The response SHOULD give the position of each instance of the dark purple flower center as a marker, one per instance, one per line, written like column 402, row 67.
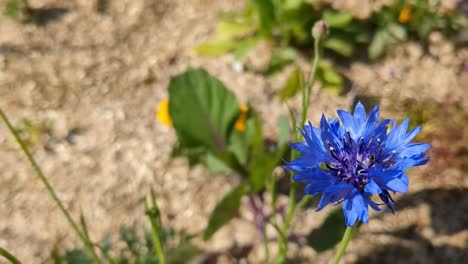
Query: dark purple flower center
column 354, row 160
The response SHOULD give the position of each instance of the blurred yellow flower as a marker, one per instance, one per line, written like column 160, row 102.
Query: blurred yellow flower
column 405, row 14
column 240, row 122
column 162, row 113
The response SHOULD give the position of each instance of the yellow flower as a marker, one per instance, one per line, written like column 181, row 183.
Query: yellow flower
column 162, row 113
column 405, row 14
column 240, row 122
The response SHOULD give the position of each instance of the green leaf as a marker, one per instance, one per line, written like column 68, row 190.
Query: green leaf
column 397, row 31
column 280, row 58
column 378, row 44
column 214, row 164
column 243, row 48
column 328, row 73
column 238, row 146
column 261, row 168
column 337, row 19
column 215, row 47
column 77, row 256
column 339, row 45
column 12, row 9
column 203, row 111
column 329, row 233
column 182, row 254
column 224, row 211
column 284, row 133
column 232, row 30
column 292, row 85
column 331, row 80
column 266, row 12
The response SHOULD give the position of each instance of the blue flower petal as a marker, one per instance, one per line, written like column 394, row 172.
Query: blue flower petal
column 334, row 193
column 372, row 187
column 348, row 123
column 355, row 208
column 359, row 116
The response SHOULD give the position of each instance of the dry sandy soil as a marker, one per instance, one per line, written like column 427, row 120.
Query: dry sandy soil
column 96, row 72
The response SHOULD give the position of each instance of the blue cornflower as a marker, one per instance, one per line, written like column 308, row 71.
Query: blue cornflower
column 356, row 161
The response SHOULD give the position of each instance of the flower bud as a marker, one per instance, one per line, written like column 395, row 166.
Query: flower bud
column 320, row 30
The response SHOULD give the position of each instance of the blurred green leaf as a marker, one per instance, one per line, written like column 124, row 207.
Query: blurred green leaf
column 378, row 44
column 215, row 47
column 284, row 133
column 339, row 45
column 281, row 57
column 329, row 233
column 214, row 164
column 202, row 109
column 232, row 30
column 243, row 48
column 225, row 39
column 331, row 80
column 77, row 256
column 337, row 19
column 266, row 12
column 224, row 211
column 182, row 254
column 292, row 85
column 397, row 31
column 238, row 146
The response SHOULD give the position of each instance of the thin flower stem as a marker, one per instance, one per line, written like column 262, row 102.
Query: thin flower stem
column 344, row 242
column 306, row 90
column 87, row 243
column 4, row 253
column 310, row 81
column 260, row 223
column 155, row 230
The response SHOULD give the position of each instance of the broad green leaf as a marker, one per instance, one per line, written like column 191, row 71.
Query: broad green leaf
column 378, row 44
column 339, row 45
column 213, row 163
column 329, row 233
column 224, row 211
column 292, row 85
column 261, row 169
column 203, row 111
column 239, row 147
column 215, row 47
column 337, row 19
column 78, row 257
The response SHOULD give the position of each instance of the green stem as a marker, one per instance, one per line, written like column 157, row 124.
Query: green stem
column 344, row 243
column 87, row 243
column 310, row 81
column 306, row 90
column 153, row 215
column 4, row 253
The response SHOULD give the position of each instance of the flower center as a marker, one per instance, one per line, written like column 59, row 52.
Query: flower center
column 354, row 160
